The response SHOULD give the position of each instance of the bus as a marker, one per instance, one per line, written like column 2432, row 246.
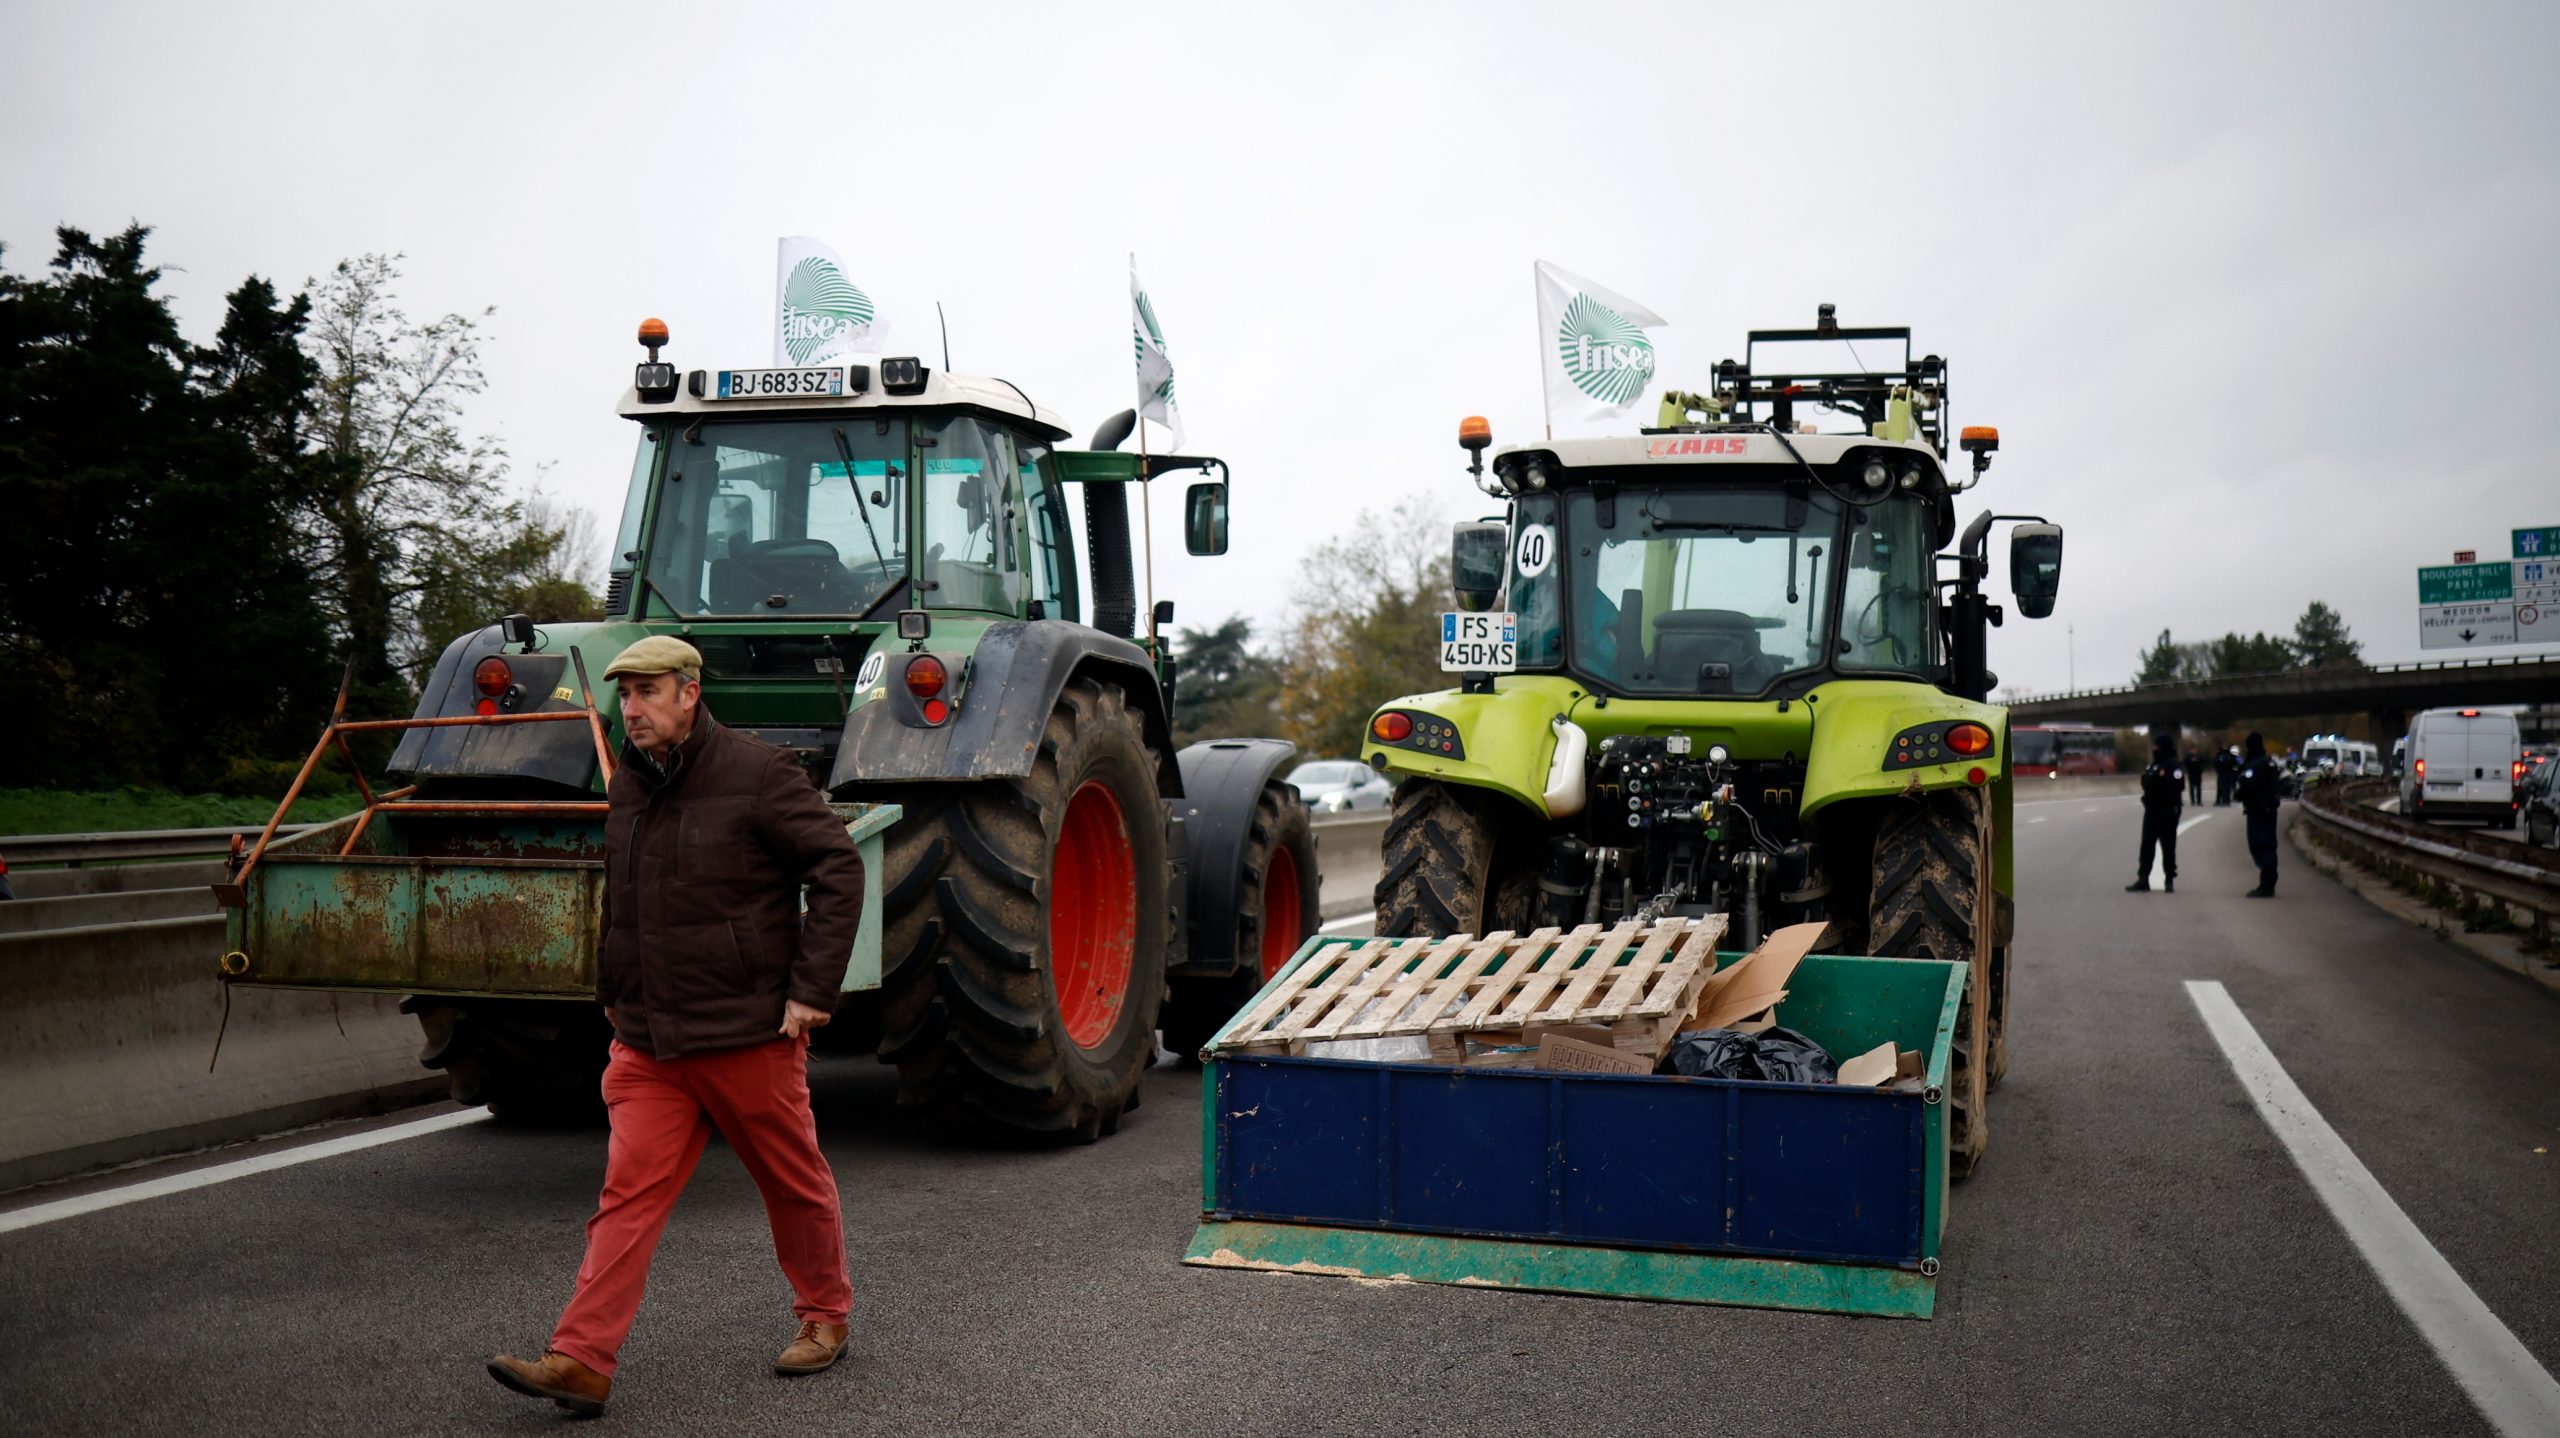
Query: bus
column 2048, row 751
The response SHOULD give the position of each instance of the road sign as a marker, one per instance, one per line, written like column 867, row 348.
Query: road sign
column 2465, row 583
column 2466, row 626
column 2537, row 590
column 2541, row 543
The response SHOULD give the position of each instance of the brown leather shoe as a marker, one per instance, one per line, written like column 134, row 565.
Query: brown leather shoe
column 558, row 1377
column 813, row 1349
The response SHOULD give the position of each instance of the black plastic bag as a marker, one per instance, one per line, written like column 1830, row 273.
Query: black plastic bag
column 1775, row 1055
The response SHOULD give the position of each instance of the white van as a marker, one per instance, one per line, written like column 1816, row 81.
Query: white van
column 2462, row 765
column 2344, row 758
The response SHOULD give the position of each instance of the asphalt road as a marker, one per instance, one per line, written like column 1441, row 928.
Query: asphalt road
column 2139, row 1254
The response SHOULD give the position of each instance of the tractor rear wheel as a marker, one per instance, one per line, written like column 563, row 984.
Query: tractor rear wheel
column 1024, row 934
column 1449, row 867
column 1280, row 910
column 1932, row 899
column 540, row 1063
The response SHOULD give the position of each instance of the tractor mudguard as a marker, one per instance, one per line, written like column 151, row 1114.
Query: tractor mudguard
column 1014, row 678
column 563, row 754
column 1502, row 740
column 1222, row 783
column 1855, row 724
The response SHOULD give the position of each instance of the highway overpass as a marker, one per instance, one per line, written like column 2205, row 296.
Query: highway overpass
column 2387, row 693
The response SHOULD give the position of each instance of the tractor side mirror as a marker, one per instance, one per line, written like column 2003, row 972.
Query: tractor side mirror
column 1204, row 517
column 1478, row 554
column 2035, row 567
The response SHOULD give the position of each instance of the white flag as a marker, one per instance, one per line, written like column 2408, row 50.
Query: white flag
column 818, row 315
column 1592, row 347
column 1155, row 367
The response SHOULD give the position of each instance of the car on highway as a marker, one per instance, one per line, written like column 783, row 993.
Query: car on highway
column 1337, row 786
column 2463, row 765
column 2541, row 804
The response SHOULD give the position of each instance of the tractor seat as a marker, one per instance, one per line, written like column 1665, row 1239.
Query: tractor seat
column 1688, row 640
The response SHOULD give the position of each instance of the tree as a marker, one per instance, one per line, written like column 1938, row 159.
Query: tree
column 2159, row 662
column 1364, row 626
column 156, row 622
column 531, row 566
column 403, row 497
column 2235, row 656
column 2320, row 639
column 1224, row 687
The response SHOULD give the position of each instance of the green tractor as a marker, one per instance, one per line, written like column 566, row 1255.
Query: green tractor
column 878, row 566
column 1725, row 666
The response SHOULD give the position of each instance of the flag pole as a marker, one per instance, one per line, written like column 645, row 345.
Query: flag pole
column 1538, row 323
column 1147, row 527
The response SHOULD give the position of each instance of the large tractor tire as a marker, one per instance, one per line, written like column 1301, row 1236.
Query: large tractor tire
column 1024, row 934
column 537, row 1063
column 1455, row 863
column 1932, row 899
column 1280, row 909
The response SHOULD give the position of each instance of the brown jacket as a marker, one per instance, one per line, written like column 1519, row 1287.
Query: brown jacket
column 704, row 861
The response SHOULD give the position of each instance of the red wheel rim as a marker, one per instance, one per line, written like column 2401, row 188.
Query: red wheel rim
column 1093, row 915
column 1280, row 910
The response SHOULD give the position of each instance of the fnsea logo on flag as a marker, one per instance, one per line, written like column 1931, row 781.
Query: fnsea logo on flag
column 819, row 306
column 1604, row 353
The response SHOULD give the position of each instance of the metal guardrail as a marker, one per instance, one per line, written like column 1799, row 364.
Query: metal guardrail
column 73, row 850
column 2472, row 865
column 2422, row 666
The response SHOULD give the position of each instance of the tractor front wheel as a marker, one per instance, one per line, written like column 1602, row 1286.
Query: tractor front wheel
column 1279, row 912
column 1024, row 933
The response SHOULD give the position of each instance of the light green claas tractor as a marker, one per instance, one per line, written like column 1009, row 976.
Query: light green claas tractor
column 878, row 565
column 1725, row 665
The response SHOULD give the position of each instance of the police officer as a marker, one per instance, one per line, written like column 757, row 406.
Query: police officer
column 2259, row 797
column 2226, row 767
column 2195, row 776
column 2164, row 787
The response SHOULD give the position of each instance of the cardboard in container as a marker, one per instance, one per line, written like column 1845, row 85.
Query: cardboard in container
column 1571, row 1055
column 1756, row 981
column 1881, row 1065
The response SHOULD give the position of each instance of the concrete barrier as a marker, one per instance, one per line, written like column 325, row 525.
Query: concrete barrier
column 76, row 911
column 1347, row 851
column 106, row 1035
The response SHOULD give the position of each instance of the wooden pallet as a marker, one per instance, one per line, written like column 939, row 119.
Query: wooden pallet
column 1636, row 982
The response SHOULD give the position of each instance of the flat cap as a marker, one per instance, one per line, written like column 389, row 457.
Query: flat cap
column 658, row 654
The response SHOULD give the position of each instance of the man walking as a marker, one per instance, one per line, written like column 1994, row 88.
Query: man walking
column 2163, row 786
column 2259, row 798
column 713, row 978
column 2195, row 776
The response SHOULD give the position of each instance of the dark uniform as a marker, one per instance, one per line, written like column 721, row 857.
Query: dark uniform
column 2195, row 777
column 2226, row 767
column 2259, row 799
column 2164, row 788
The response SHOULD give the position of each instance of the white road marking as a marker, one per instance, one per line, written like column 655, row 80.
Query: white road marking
column 2516, row 1394
column 2035, row 819
column 2191, row 823
column 1347, row 921
column 43, row 1213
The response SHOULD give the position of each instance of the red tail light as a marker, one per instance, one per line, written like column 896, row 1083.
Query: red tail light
column 925, row 676
column 2518, row 777
column 1969, row 739
column 486, row 706
column 1392, row 727
column 935, row 711
column 2420, row 768
column 492, row 678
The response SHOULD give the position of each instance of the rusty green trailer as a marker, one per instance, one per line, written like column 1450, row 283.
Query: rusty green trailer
column 423, row 905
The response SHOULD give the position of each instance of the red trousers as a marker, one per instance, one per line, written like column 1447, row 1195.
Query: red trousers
column 662, row 1115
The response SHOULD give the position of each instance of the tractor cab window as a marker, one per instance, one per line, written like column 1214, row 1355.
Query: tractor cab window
column 972, row 557
column 1887, row 596
column 764, row 517
column 1700, row 590
column 1536, row 581
column 1053, row 544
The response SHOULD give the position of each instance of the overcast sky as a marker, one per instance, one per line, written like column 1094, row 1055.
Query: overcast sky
column 2254, row 293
